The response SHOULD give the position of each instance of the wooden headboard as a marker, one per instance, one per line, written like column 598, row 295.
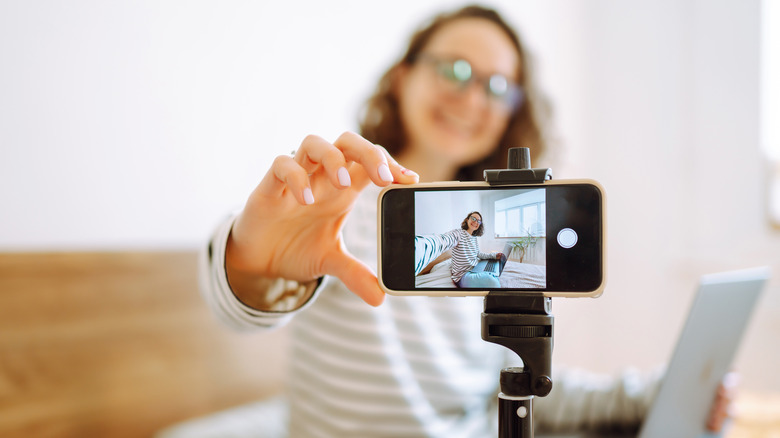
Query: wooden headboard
column 120, row 345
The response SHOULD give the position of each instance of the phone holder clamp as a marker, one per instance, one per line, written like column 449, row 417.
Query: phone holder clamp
column 518, row 170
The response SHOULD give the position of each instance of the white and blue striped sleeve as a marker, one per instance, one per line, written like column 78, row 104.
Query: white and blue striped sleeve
column 284, row 297
column 582, row 400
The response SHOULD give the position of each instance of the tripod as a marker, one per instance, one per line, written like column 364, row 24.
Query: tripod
column 522, row 323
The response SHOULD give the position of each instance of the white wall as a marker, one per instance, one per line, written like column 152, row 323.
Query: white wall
column 140, row 124
column 667, row 119
column 439, row 212
column 127, row 124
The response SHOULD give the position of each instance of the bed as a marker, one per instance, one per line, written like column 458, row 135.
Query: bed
column 515, row 275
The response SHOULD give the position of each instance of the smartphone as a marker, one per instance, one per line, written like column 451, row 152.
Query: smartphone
column 535, row 239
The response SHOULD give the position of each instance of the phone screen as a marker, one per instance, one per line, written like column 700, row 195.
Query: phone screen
column 536, row 238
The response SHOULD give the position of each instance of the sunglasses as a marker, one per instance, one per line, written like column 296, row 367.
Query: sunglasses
column 458, row 75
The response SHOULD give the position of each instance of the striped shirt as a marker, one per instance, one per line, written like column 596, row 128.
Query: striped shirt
column 465, row 254
column 412, row 367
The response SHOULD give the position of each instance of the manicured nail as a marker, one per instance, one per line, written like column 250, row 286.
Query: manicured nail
column 308, row 196
column 384, row 173
column 409, row 172
column 344, row 178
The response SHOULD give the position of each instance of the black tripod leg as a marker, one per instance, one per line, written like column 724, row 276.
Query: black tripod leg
column 515, row 416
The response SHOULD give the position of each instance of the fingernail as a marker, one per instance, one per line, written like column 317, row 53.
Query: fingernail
column 410, row 172
column 344, row 178
column 308, row 196
column 384, row 173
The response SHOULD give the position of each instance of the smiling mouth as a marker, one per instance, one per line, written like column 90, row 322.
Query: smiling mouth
column 455, row 124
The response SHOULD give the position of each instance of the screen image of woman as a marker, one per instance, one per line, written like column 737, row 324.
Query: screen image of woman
column 466, row 255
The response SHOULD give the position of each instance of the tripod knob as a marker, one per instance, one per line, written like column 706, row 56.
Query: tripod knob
column 519, row 158
column 516, row 381
column 542, row 386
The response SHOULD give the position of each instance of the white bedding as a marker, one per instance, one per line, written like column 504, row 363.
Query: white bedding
column 515, row 275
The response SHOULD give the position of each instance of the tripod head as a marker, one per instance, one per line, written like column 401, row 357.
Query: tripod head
column 524, row 324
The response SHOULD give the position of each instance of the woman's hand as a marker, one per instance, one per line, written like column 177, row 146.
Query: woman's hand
column 721, row 406
column 291, row 224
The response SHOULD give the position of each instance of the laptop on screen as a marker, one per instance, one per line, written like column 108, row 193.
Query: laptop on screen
column 495, row 266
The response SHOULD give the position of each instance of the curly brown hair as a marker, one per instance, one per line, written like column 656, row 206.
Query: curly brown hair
column 465, row 224
column 381, row 123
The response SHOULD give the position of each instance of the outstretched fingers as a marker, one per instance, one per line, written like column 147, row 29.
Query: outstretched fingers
column 294, row 173
column 315, row 153
column 287, row 175
column 337, row 162
column 401, row 174
column 377, row 163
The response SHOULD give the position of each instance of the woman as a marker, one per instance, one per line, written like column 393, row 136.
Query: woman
column 459, row 96
column 466, row 255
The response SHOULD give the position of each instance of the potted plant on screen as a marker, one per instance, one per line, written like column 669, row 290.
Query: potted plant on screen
column 521, row 245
